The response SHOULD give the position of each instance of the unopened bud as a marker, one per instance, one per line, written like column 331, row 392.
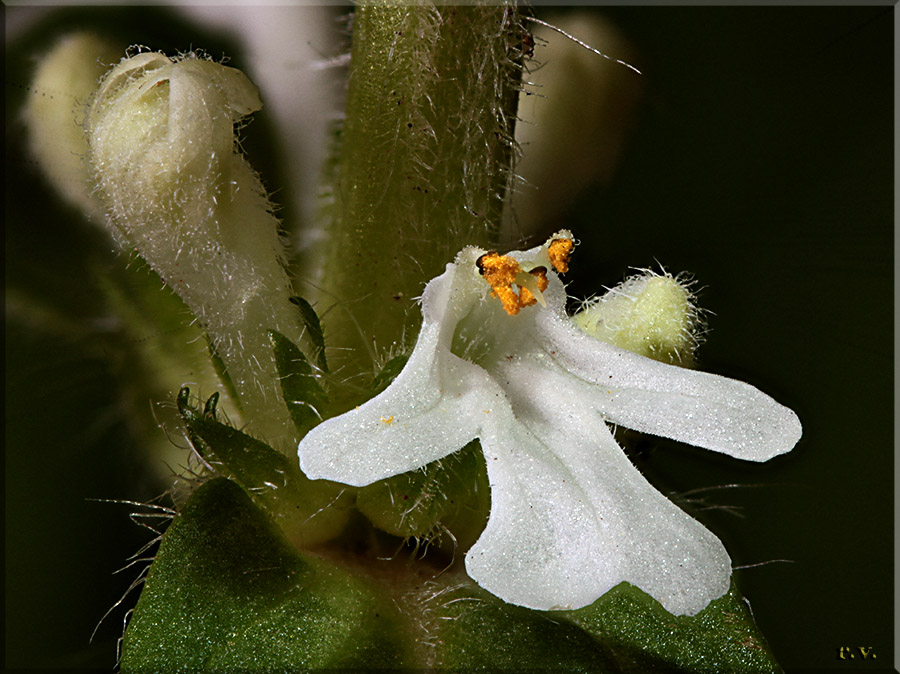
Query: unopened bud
column 650, row 314
column 162, row 155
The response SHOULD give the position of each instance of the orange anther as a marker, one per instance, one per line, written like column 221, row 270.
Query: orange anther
column 559, row 251
column 501, row 272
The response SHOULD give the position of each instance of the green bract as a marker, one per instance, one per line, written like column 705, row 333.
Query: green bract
column 307, row 512
column 227, row 593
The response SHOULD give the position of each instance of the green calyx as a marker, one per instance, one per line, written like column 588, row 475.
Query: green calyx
column 227, row 593
column 445, row 503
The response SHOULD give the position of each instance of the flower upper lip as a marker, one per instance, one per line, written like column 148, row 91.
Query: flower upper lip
column 570, row 515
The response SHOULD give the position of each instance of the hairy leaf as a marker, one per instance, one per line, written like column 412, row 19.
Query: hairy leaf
column 624, row 631
column 307, row 511
column 302, row 392
column 647, row 638
column 313, row 329
column 228, row 593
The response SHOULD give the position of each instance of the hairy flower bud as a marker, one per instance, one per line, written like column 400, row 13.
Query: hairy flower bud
column 162, row 156
column 650, row 314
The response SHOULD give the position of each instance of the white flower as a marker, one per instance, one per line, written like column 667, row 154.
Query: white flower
column 570, row 515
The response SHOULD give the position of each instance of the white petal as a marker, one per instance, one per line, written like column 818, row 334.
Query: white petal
column 428, row 412
column 571, row 517
column 701, row 409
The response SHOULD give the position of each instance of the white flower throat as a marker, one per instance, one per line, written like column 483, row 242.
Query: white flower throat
column 492, row 328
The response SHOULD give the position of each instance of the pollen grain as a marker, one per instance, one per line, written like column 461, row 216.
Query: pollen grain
column 502, row 271
column 559, row 251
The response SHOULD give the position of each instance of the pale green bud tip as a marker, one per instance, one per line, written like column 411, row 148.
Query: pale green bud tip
column 651, row 314
column 53, row 113
column 161, row 134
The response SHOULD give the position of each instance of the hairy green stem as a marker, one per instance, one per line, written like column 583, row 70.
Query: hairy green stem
column 423, row 167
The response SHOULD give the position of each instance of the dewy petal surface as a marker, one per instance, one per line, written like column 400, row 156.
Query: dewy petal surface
column 701, row 409
column 424, row 415
column 571, row 517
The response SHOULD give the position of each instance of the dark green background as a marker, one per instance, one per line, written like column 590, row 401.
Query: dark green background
column 761, row 162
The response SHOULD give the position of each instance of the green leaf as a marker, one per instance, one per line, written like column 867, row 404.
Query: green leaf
column 307, row 511
column 227, row 593
column 647, row 638
column 623, row 631
column 313, row 329
column 302, row 392
column 479, row 632
column 388, row 373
